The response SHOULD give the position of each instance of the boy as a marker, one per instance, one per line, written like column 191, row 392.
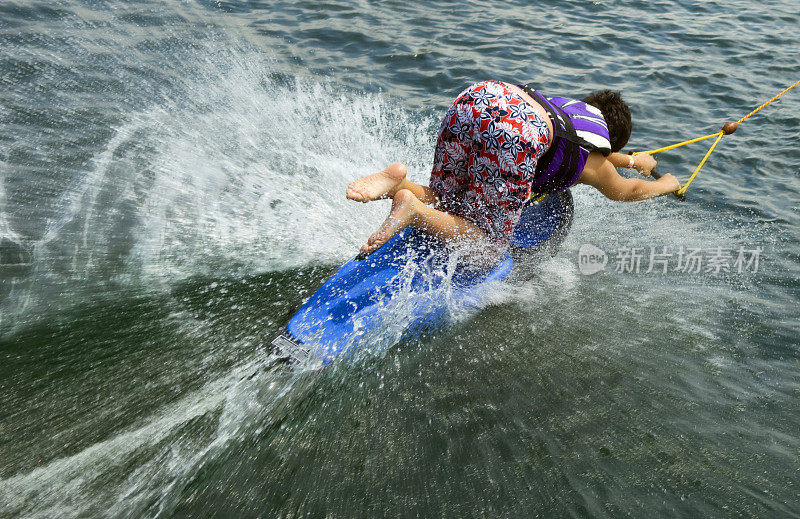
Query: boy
column 498, row 145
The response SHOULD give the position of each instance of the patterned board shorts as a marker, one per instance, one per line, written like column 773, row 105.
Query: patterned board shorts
column 486, row 154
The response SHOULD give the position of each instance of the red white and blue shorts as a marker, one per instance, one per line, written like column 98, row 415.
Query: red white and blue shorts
column 486, row 154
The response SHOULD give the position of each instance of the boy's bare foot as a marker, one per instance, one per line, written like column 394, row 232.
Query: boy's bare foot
column 382, row 184
column 401, row 216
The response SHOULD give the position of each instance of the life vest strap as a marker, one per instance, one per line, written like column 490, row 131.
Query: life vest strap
column 563, row 128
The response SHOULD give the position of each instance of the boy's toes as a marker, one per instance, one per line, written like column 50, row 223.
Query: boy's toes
column 354, row 193
column 367, row 249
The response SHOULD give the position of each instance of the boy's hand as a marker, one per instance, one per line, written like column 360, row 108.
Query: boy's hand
column 644, row 163
column 670, row 182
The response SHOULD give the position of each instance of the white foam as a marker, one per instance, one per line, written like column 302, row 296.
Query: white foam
column 73, row 486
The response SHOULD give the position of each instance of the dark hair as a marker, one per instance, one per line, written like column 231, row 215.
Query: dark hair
column 616, row 113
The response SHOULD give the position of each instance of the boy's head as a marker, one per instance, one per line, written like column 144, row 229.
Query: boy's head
column 616, row 113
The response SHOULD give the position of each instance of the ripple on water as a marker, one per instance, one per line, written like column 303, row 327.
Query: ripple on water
column 169, row 194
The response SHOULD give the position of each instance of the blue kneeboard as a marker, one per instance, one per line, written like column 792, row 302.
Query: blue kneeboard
column 419, row 272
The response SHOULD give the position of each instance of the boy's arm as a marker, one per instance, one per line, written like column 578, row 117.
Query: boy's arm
column 644, row 163
column 602, row 175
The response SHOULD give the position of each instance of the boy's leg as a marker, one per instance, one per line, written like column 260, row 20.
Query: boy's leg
column 384, row 184
column 408, row 209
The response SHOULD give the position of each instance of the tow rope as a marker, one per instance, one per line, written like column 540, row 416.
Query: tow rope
column 727, row 129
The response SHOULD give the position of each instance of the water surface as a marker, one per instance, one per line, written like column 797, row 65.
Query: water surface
column 173, row 179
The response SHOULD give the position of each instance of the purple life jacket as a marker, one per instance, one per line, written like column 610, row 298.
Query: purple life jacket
column 579, row 130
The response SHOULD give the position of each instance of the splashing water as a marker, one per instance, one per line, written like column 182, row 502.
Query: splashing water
column 173, row 186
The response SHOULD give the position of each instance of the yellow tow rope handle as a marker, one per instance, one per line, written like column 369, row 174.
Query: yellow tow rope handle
column 727, row 129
